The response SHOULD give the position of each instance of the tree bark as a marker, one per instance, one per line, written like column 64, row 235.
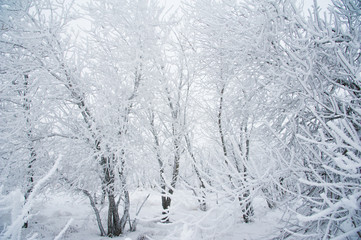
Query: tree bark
column 96, row 211
column 248, row 212
column 114, row 226
column 33, row 156
column 220, row 127
column 166, row 198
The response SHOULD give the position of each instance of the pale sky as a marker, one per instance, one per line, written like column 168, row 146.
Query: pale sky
column 323, row 4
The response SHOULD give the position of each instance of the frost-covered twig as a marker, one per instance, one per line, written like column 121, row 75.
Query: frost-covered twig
column 133, row 226
column 61, row 233
column 14, row 230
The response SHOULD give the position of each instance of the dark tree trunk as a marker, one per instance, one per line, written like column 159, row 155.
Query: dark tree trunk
column 220, row 127
column 248, row 211
column 30, row 179
column 114, row 228
column 165, row 198
column 166, row 202
column 166, row 194
column 33, row 156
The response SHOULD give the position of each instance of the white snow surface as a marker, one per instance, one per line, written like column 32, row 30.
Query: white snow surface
column 67, row 216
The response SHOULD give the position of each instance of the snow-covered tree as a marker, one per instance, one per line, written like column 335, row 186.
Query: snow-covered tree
column 30, row 95
column 235, row 41
column 168, row 113
column 124, row 41
column 233, row 99
column 321, row 61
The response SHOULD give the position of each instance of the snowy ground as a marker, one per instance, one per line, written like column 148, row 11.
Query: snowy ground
column 221, row 221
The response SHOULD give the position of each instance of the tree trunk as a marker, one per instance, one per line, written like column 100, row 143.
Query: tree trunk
column 114, row 228
column 96, row 211
column 220, row 127
column 166, row 201
column 30, row 171
column 30, row 179
column 166, row 195
column 126, row 215
column 248, row 211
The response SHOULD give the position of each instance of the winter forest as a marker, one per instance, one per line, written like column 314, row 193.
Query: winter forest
column 211, row 119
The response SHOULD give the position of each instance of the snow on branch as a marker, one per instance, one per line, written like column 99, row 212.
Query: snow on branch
column 13, row 231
